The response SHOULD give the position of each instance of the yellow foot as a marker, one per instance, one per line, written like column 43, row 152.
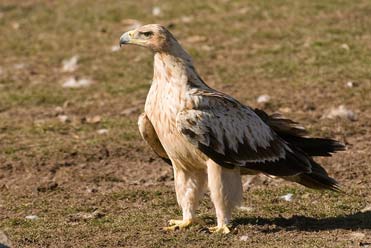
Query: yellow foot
column 177, row 225
column 216, row 229
column 181, row 224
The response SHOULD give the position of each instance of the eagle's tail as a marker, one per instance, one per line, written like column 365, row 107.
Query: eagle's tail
column 314, row 146
column 294, row 134
column 317, row 179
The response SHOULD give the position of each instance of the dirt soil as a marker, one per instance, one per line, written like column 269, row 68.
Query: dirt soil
column 74, row 171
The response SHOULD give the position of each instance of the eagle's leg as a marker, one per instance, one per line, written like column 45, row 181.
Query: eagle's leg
column 226, row 193
column 190, row 185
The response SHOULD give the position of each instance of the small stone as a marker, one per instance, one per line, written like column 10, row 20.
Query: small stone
column 156, row 11
column 244, row 238
column 263, row 99
column 102, row 131
column 63, row 118
column 340, row 112
column 75, row 136
column 15, row 25
column 32, row 217
column 94, row 120
column 287, row 197
column 74, row 82
column 345, row 47
column 351, row 84
column 70, row 65
column 115, row 48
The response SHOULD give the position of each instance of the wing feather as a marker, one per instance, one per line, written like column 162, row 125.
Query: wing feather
column 233, row 134
column 149, row 134
column 224, row 128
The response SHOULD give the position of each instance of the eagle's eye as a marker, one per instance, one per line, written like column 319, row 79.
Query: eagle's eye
column 147, row 34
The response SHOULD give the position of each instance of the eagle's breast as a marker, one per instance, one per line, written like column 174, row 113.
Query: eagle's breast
column 166, row 98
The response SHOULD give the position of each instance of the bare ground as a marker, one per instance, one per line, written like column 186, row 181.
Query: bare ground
column 90, row 189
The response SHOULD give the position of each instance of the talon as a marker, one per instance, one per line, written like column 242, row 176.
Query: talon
column 178, row 225
column 171, row 228
column 182, row 224
column 216, row 229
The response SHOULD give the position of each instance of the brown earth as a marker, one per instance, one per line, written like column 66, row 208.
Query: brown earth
column 91, row 188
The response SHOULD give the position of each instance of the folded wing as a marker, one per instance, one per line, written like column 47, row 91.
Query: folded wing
column 149, row 134
column 232, row 134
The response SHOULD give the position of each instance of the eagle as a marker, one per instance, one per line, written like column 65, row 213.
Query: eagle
column 210, row 139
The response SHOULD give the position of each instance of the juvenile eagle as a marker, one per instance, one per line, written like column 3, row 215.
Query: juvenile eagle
column 211, row 139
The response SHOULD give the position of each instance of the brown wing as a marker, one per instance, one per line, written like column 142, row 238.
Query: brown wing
column 149, row 134
column 232, row 134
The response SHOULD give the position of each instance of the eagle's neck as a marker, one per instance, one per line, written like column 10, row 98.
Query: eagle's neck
column 174, row 76
column 176, row 68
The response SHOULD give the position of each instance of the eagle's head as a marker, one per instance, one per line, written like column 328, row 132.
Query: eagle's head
column 153, row 36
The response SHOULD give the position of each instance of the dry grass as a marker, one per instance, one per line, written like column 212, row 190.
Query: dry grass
column 111, row 190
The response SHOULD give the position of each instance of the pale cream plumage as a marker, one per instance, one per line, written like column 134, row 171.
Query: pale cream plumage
column 210, row 138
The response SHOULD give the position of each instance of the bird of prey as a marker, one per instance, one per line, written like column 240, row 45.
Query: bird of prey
column 211, row 139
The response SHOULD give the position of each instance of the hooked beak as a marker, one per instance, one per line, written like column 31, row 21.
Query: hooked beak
column 126, row 38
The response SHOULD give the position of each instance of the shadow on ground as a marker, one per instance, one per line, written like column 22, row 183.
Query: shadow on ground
column 348, row 222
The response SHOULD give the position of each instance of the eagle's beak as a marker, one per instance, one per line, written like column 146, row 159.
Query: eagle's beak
column 126, row 38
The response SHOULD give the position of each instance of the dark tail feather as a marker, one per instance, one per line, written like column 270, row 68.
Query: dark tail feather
column 314, row 146
column 294, row 134
column 317, row 179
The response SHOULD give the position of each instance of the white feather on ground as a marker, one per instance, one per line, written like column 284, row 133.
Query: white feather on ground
column 74, row 82
column 70, row 65
column 340, row 112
